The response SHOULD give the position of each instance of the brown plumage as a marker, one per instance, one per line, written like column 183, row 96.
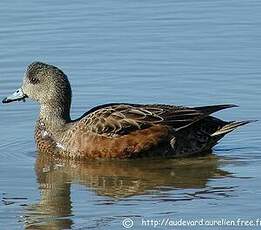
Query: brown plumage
column 116, row 130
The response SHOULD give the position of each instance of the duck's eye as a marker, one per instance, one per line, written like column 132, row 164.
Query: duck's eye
column 34, row 80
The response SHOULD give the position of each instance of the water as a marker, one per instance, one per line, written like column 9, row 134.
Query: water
column 174, row 52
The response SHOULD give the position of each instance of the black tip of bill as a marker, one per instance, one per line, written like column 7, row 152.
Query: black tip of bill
column 5, row 100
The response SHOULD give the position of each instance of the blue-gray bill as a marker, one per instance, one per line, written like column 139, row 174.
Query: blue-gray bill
column 18, row 95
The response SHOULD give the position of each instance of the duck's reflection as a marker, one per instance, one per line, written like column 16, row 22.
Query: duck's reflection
column 116, row 179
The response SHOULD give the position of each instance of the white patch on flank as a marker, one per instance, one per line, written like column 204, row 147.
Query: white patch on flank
column 58, row 166
column 59, row 145
column 44, row 134
column 46, row 169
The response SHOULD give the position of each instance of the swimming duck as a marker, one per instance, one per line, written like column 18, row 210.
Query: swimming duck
column 117, row 130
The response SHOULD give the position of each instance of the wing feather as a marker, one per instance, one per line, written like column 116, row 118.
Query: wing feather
column 120, row 119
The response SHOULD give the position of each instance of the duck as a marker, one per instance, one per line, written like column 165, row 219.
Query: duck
column 116, row 130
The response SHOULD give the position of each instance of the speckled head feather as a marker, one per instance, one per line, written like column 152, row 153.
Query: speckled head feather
column 49, row 86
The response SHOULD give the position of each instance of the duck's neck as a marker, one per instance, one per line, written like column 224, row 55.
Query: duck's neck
column 55, row 116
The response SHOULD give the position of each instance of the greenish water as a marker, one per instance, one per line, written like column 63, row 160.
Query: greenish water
column 173, row 52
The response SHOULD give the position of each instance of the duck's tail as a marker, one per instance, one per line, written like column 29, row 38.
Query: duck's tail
column 230, row 127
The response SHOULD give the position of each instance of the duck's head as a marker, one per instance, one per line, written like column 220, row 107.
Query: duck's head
column 42, row 83
column 46, row 84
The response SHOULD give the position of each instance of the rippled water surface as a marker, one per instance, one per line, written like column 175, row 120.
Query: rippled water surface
column 175, row 52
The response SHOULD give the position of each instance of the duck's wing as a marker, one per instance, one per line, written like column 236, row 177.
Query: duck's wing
column 121, row 119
